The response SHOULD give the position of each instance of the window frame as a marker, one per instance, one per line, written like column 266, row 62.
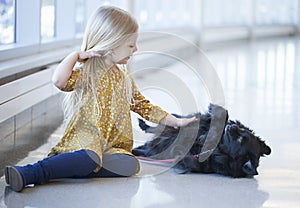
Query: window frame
column 27, row 25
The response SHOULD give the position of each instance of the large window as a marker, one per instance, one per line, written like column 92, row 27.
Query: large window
column 7, row 21
column 53, row 23
column 47, row 20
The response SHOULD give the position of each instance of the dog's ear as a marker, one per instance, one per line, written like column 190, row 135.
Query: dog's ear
column 264, row 149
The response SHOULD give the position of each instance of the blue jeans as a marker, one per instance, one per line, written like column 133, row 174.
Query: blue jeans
column 77, row 164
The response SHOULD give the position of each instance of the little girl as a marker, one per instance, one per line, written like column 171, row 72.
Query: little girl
column 98, row 138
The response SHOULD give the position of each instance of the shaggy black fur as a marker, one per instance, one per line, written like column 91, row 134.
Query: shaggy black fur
column 237, row 154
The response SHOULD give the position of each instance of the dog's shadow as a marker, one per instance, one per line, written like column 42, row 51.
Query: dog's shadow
column 212, row 190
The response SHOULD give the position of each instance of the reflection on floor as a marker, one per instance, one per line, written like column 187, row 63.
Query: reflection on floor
column 260, row 81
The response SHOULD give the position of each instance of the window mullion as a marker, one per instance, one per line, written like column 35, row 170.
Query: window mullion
column 27, row 22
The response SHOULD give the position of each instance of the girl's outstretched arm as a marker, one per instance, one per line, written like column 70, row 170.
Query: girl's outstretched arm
column 153, row 113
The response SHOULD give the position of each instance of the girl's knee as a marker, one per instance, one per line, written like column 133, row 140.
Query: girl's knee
column 121, row 164
column 133, row 165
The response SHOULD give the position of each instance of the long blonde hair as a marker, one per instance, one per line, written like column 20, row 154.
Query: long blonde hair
column 107, row 28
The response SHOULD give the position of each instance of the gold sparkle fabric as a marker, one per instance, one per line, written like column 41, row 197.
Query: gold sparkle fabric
column 110, row 130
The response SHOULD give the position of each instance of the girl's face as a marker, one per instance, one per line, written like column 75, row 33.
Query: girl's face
column 122, row 53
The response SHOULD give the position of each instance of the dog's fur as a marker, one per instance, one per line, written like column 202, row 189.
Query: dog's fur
column 236, row 155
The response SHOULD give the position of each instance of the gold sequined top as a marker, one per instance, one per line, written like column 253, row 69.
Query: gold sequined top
column 109, row 131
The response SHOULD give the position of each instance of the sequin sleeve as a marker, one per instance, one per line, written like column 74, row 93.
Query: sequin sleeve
column 144, row 108
column 70, row 86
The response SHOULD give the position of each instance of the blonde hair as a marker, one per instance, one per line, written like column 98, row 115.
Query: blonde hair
column 107, row 28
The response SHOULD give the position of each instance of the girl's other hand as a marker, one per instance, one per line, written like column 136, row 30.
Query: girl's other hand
column 184, row 121
column 171, row 120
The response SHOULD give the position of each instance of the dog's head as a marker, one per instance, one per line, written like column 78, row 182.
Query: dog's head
column 242, row 149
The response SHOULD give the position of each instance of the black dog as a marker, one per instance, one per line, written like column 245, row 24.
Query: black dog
column 236, row 154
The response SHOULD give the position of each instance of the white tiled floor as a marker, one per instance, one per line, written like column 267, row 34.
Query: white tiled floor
column 260, row 81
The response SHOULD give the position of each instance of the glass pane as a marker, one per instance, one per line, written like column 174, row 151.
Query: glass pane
column 47, row 19
column 123, row 4
column 277, row 12
column 157, row 14
column 80, row 16
column 7, row 21
column 218, row 13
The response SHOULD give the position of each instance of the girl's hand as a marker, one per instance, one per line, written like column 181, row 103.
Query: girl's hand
column 83, row 56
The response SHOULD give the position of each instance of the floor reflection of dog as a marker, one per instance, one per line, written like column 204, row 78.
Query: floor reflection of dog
column 237, row 154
